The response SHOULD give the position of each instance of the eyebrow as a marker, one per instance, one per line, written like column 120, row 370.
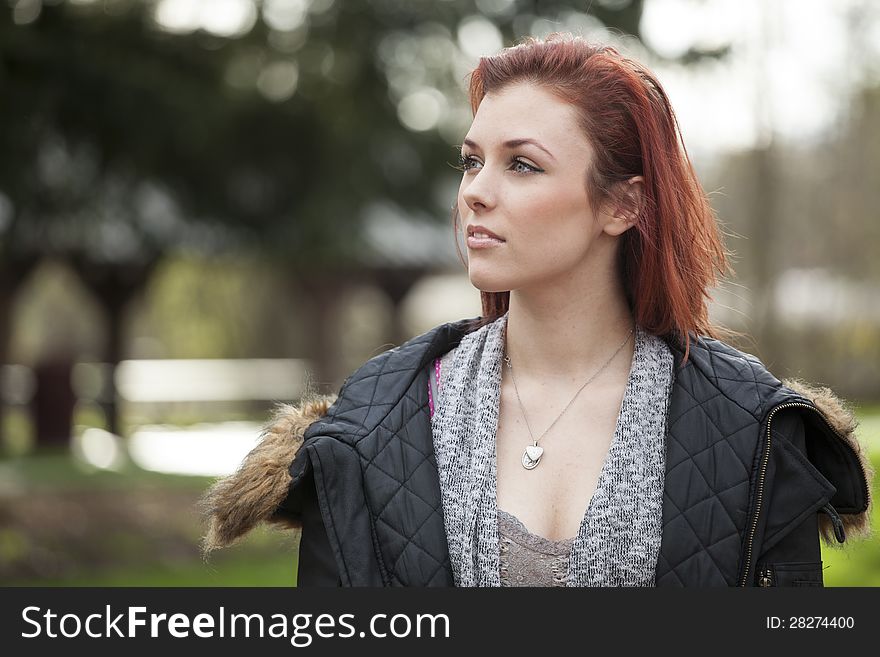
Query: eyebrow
column 513, row 143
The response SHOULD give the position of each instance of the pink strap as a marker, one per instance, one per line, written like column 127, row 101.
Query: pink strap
column 437, row 375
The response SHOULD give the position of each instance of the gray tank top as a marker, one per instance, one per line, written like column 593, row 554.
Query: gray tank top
column 527, row 559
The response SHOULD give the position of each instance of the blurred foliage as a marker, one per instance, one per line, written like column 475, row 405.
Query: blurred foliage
column 121, row 138
column 54, row 313
column 807, row 218
column 220, row 307
column 16, row 432
column 124, row 137
column 817, row 201
column 194, row 306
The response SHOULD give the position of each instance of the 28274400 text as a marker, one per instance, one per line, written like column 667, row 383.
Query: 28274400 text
column 810, row 622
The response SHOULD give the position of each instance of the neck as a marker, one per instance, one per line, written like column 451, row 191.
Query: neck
column 564, row 334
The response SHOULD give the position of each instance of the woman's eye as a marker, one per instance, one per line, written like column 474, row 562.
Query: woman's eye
column 465, row 162
column 528, row 167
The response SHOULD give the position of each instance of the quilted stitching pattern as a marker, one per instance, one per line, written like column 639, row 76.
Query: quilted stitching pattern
column 713, row 427
column 382, row 410
column 396, row 452
column 713, row 432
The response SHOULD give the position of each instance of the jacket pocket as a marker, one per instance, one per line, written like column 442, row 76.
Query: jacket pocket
column 790, row 574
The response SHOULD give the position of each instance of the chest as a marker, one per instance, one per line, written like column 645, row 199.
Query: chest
column 709, row 488
column 552, row 499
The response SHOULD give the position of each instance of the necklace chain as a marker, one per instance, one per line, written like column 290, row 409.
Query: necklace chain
column 522, row 408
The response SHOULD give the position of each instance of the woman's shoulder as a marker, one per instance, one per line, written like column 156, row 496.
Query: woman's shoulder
column 716, row 366
column 384, row 380
column 743, row 376
column 828, row 420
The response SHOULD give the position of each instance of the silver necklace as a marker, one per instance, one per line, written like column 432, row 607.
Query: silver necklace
column 533, row 453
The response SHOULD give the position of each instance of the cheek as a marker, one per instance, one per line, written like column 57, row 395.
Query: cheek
column 557, row 230
column 554, row 218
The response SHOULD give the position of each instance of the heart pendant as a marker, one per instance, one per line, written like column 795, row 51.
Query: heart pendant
column 532, row 456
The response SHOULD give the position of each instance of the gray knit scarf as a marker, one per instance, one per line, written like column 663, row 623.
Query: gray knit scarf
column 619, row 538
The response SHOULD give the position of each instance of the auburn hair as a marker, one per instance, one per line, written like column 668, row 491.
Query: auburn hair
column 673, row 253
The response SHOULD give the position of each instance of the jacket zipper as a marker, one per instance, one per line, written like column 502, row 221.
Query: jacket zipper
column 766, row 578
column 762, row 474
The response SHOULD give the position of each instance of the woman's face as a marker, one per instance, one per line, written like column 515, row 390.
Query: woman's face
column 525, row 163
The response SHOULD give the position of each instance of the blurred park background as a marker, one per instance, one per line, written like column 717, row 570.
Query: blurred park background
column 206, row 205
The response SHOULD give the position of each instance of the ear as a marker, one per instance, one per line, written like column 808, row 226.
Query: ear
column 625, row 208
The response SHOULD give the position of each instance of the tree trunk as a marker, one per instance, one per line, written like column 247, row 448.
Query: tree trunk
column 115, row 352
column 323, row 292
column 397, row 283
column 53, row 402
column 114, row 285
column 764, row 267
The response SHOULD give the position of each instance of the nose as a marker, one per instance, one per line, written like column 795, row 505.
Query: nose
column 477, row 190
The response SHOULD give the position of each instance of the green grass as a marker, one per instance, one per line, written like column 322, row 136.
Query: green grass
column 243, row 569
column 112, row 543
column 856, row 562
column 55, row 470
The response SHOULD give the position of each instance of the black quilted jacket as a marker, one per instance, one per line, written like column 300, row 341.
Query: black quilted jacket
column 755, row 469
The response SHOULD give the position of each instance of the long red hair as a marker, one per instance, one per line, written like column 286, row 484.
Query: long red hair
column 672, row 255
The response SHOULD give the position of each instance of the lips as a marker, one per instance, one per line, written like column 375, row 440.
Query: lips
column 481, row 232
column 480, row 237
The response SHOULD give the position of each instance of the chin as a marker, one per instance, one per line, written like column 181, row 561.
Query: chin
column 487, row 282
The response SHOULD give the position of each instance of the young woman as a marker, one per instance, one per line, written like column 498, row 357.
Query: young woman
column 590, row 428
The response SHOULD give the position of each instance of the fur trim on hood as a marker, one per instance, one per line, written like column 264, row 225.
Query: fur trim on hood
column 236, row 504
column 844, row 422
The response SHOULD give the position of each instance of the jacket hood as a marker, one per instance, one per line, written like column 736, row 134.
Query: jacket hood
column 843, row 422
column 256, row 491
